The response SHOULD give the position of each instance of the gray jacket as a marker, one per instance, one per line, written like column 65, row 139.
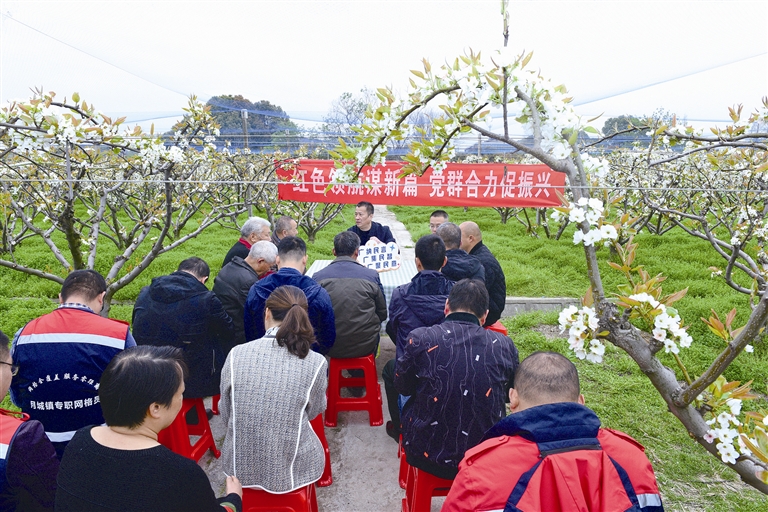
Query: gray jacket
column 268, row 397
column 358, row 305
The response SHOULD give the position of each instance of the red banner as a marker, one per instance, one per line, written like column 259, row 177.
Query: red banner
column 496, row 185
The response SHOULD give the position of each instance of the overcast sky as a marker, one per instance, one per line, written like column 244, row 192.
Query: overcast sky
column 143, row 58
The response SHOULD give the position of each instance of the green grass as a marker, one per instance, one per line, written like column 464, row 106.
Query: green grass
column 689, row 478
column 24, row 297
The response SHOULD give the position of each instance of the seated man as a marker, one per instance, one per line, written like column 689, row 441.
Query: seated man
column 61, row 356
column 457, row 375
column 292, row 262
column 366, row 229
column 550, row 427
column 284, row 226
column 495, row 282
column 460, row 265
column 178, row 310
column 235, row 279
column 358, row 299
column 436, row 219
column 420, row 303
column 28, row 463
column 254, row 230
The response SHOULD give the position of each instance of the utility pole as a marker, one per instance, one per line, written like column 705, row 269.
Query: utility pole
column 244, row 115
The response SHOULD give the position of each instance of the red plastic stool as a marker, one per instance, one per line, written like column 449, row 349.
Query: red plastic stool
column 421, row 487
column 498, row 327
column 371, row 402
column 319, row 428
column 300, row 500
column 215, row 404
column 402, row 476
column 176, row 436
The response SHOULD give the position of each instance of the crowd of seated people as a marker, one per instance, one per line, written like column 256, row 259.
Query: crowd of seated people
column 87, row 437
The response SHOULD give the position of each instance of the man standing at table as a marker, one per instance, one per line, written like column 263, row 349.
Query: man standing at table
column 366, row 229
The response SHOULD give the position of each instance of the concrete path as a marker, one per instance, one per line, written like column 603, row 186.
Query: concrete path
column 363, row 458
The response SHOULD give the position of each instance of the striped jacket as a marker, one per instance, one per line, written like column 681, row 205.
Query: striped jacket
column 61, row 357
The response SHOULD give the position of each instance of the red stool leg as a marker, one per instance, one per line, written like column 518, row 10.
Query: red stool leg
column 403, row 473
column 176, row 436
column 371, row 402
column 317, row 426
column 215, row 404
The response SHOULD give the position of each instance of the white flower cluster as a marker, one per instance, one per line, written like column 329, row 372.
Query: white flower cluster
column 666, row 326
column 582, row 325
column 590, row 210
column 725, row 434
column 599, row 168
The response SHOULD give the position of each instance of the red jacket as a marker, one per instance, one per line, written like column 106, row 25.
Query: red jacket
column 498, row 470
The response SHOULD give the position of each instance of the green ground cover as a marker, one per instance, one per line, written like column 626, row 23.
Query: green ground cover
column 617, row 390
column 690, row 478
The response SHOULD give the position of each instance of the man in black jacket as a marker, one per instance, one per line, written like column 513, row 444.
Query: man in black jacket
column 460, row 264
column 235, row 279
column 178, row 310
column 495, row 282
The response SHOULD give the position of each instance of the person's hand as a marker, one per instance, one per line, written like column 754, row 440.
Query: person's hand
column 375, row 239
column 234, row 486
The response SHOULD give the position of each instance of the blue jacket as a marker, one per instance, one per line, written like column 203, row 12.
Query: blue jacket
column 179, row 310
column 420, row 303
column 319, row 302
column 458, row 376
column 61, row 357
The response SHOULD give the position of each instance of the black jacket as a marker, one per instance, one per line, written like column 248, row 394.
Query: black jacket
column 358, row 305
column 231, row 286
column 380, row 231
column 495, row 282
column 239, row 249
column 178, row 310
column 462, row 266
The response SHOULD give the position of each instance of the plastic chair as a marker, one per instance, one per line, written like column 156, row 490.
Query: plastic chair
column 176, row 436
column 319, row 428
column 215, row 404
column 402, row 476
column 371, row 402
column 300, row 500
column 421, row 487
column 498, row 327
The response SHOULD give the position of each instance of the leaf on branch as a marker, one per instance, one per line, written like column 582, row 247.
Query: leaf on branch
column 418, row 73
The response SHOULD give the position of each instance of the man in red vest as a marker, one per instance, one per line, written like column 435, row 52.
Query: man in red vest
column 61, row 356
column 28, row 463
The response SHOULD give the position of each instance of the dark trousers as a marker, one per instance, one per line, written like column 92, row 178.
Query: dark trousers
column 388, row 376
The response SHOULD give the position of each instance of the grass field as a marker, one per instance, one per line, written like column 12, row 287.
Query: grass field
column 617, row 390
column 690, row 478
